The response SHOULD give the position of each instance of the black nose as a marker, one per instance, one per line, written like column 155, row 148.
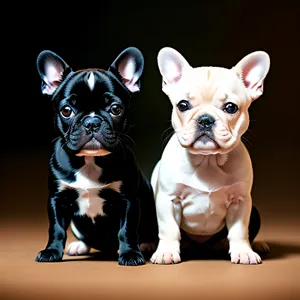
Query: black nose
column 206, row 121
column 91, row 124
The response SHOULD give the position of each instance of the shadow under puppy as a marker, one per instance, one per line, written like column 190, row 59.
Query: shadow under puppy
column 94, row 181
column 203, row 182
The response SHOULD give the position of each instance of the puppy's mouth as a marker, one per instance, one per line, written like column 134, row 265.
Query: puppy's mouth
column 93, row 148
column 205, row 144
column 92, row 144
column 204, row 138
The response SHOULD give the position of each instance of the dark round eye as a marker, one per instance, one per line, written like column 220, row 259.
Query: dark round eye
column 230, row 108
column 67, row 111
column 183, row 105
column 116, row 109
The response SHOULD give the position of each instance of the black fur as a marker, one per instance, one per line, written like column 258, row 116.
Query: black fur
column 130, row 217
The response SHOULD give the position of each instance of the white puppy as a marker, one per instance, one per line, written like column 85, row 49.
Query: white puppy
column 203, row 181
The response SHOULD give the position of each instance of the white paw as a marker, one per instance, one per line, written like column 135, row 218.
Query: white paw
column 165, row 258
column 166, row 253
column 78, row 248
column 241, row 253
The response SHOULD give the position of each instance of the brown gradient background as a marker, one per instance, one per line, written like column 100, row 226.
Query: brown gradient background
column 207, row 33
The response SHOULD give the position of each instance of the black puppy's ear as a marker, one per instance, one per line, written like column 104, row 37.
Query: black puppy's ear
column 52, row 69
column 128, row 67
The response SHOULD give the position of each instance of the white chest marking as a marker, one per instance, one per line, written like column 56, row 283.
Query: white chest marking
column 88, row 187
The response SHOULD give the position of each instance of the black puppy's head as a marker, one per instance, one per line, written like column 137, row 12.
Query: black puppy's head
column 91, row 105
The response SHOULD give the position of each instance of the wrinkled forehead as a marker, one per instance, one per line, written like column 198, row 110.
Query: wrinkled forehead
column 210, row 84
column 89, row 82
column 93, row 85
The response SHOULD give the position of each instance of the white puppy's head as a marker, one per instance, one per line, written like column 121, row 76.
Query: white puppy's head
column 210, row 104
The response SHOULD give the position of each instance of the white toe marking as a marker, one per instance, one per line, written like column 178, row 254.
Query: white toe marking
column 166, row 253
column 241, row 253
column 78, row 248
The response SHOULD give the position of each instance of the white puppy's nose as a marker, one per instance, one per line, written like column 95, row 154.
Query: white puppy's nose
column 206, row 121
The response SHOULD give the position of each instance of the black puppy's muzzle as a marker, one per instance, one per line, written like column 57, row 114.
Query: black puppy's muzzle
column 91, row 124
column 206, row 122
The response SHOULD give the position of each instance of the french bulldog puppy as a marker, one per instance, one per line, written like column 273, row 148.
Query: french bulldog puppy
column 202, row 184
column 95, row 183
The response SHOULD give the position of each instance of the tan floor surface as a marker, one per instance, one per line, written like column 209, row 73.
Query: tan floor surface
column 78, row 278
column 23, row 232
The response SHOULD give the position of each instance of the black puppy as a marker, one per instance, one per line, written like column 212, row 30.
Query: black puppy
column 94, row 181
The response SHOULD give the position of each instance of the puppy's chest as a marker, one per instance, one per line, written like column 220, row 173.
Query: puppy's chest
column 202, row 212
column 196, row 201
column 89, row 189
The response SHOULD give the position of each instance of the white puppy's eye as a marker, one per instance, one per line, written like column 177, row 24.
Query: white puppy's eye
column 230, row 108
column 67, row 112
column 183, row 105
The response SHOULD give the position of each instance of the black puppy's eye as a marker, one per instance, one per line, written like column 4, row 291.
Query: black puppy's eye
column 230, row 108
column 116, row 109
column 67, row 112
column 183, row 105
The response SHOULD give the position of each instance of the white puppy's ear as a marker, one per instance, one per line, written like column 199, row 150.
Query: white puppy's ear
column 171, row 65
column 253, row 69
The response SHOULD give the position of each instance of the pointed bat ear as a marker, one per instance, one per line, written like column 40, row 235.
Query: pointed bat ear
column 52, row 70
column 253, row 69
column 172, row 66
column 128, row 67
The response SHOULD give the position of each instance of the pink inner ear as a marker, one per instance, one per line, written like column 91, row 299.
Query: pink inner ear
column 172, row 72
column 253, row 69
column 247, row 74
column 253, row 72
column 131, row 85
column 176, row 77
column 53, row 75
column 127, row 70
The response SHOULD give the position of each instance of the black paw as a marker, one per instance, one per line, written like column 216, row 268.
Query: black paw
column 131, row 258
column 48, row 255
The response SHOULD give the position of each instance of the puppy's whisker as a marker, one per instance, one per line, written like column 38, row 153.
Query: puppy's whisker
column 126, row 138
column 121, row 147
column 246, row 142
column 167, row 135
column 65, row 144
column 54, row 140
column 250, row 131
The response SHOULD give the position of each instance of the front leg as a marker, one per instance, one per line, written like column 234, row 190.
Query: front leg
column 169, row 218
column 129, row 251
column 59, row 220
column 237, row 221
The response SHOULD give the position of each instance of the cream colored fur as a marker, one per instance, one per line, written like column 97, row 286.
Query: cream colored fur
column 202, row 184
